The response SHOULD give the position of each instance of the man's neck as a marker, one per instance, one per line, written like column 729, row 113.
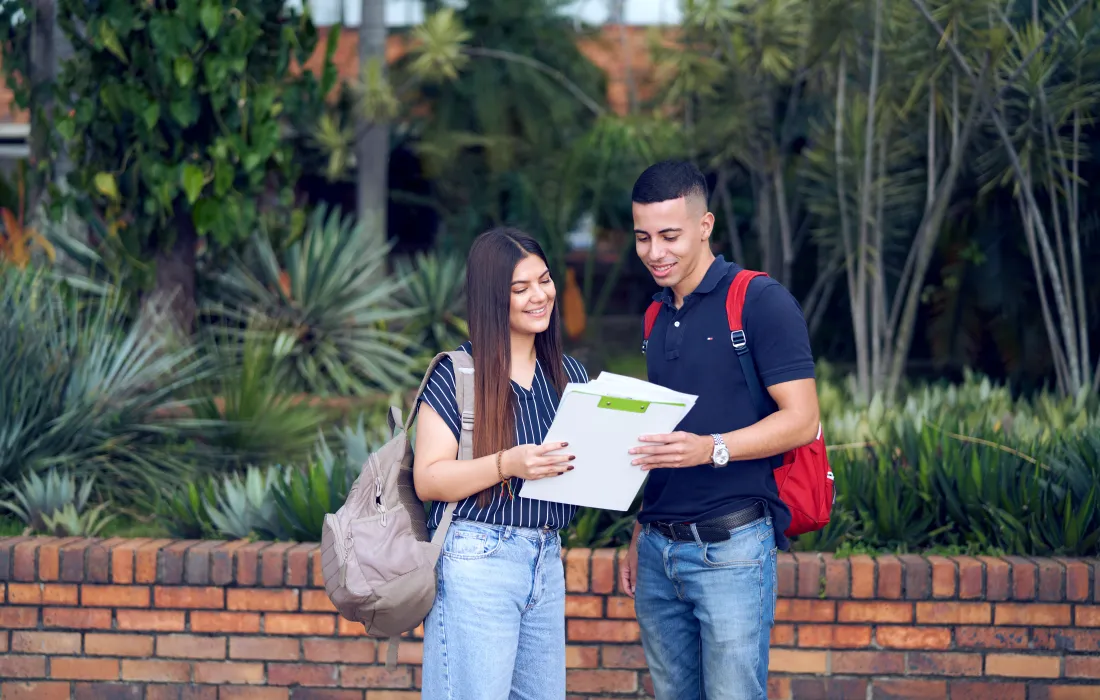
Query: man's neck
column 688, row 285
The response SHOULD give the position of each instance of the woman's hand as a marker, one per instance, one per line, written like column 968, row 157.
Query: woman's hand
column 535, row 461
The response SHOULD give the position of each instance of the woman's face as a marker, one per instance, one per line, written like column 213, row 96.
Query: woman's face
column 533, row 295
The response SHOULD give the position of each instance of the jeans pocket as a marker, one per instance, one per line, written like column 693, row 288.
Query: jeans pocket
column 743, row 548
column 466, row 542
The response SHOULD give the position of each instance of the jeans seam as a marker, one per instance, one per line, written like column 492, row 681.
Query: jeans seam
column 444, row 661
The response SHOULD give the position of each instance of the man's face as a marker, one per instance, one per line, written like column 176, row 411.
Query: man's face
column 671, row 237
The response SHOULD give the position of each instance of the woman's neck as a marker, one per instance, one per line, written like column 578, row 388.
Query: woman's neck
column 523, row 359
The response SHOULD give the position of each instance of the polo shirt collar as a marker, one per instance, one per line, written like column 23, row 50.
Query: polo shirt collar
column 718, row 269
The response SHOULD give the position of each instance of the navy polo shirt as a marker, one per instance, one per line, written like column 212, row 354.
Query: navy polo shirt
column 689, row 350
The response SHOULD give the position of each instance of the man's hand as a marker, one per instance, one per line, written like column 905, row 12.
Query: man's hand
column 628, row 572
column 672, row 450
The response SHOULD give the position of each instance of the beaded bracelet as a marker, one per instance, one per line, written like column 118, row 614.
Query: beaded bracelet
column 505, row 484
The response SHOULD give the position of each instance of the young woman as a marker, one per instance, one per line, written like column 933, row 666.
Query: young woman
column 497, row 628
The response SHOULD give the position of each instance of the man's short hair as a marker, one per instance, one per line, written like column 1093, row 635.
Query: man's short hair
column 669, row 179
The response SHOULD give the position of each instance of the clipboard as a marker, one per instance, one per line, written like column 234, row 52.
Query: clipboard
column 601, row 427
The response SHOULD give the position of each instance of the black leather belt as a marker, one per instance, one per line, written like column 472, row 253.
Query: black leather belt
column 713, row 530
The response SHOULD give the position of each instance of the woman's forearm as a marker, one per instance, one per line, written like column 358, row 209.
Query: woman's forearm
column 453, row 479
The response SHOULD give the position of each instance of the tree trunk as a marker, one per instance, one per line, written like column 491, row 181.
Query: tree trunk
column 372, row 153
column 172, row 300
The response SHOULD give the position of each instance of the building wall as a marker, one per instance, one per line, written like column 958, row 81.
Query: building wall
column 192, row 620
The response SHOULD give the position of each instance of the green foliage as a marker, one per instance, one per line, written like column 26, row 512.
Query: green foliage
column 435, row 286
column 83, row 393
column 245, row 507
column 35, row 499
column 332, row 312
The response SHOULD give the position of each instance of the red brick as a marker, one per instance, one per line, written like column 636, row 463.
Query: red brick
column 273, row 564
column 324, row 675
column 576, row 570
column 43, row 594
column 1022, row 666
column 787, row 575
column 998, row 578
column 954, row 613
column 297, row 564
column 868, row 663
column 863, row 576
column 283, row 600
column 176, row 692
column 302, row 693
column 918, row 577
column 410, row 653
column 1050, row 580
column 70, row 669
column 602, row 681
column 209, row 598
column 347, row 628
column 156, row 670
column 1037, row 614
column 1038, row 691
column 970, row 577
column 145, row 560
column 837, row 577
column 875, row 612
column 34, row 690
column 49, row 558
column 1084, row 615
column 291, row 623
column 943, row 577
column 834, row 636
column 778, row 688
column 197, row 563
column 3, row 641
column 828, row 688
column 782, row 635
column 1083, row 667
column 797, row 661
column 810, row 571
column 889, row 577
column 122, row 560
column 23, row 559
column 228, row 672
column 796, row 610
column 584, row 606
column 244, row 693
column 375, row 677
column 73, row 556
column 1025, row 578
column 18, row 618
column 317, row 601
column 238, row 623
column 602, row 631
column 933, row 664
column 316, row 576
column 991, row 637
column 150, row 620
column 137, row 645
column 1077, row 579
column 221, row 562
column 890, row 637
column 187, row 646
column 22, row 666
column 347, row 651
column 632, row 656
column 264, row 649
column 1066, row 640
column 392, row 695
column 582, row 657
column 897, row 689
column 620, row 608
column 50, row 643
column 107, row 691
column 978, row 690
column 76, row 618
column 172, row 559
column 603, row 571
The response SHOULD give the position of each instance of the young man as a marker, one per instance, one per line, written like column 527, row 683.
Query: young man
column 702, row 561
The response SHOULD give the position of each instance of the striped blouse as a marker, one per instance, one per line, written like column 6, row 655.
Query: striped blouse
column 534, row 411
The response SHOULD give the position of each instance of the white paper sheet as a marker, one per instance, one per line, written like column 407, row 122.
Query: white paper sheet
column 601, row 421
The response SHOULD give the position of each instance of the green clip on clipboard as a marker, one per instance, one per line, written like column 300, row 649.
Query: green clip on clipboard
column 601, row 421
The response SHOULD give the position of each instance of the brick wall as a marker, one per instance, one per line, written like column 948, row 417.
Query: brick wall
column 191, row 620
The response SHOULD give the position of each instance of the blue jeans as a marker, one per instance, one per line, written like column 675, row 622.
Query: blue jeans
column 497, row 628
column 706, row 611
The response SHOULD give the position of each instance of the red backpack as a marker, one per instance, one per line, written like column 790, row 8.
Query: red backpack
column 804, row 478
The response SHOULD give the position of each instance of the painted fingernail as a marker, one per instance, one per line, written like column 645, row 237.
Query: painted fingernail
column 570, row 468
column 572, row 457
column 565, row 444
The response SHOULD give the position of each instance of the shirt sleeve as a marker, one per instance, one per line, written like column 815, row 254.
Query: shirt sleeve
column 439, row 393
column 777, row 334
column 575, row 370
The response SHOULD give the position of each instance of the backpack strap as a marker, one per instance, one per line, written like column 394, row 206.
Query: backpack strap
column 650, row 318
column 735, row 306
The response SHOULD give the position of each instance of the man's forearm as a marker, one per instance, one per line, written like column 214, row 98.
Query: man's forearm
column 779, row 432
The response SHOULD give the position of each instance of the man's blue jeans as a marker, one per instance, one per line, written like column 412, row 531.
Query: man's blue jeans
column 706, row 611
column 497, row 627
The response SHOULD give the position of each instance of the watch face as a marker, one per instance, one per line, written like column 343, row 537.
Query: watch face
column 721, row 456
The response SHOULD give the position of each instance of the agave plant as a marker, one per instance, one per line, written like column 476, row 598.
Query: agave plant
column 244, row 507
column 35, row 499
column 329, row 303
column 82, row 391
column 183, row 510
column 303, row 496
column 435, row 286
column 70, row 522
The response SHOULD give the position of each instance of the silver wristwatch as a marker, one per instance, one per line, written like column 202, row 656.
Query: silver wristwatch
column 721, row 456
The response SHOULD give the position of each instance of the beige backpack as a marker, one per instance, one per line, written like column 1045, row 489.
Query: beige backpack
column 377, row 562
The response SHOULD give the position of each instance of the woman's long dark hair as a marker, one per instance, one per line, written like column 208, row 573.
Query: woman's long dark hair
column 489, row 269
